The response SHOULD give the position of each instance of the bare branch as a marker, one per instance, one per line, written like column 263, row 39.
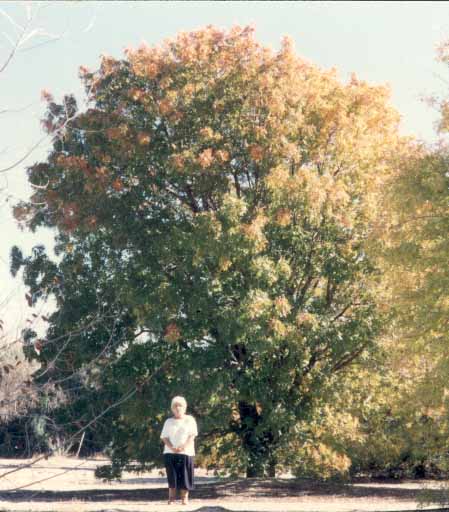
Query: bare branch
column 125, row 397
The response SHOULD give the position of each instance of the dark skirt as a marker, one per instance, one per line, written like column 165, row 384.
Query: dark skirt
column 180, row 469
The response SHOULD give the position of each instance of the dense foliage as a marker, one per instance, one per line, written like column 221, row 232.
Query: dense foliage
column 211, row 211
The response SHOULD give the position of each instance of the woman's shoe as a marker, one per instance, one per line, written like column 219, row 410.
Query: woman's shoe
column 184, row 496
column 171, row 495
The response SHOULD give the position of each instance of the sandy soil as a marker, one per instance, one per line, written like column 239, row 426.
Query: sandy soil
column 63, row 484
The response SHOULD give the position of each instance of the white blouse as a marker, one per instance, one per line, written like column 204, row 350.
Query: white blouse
column 177, row 431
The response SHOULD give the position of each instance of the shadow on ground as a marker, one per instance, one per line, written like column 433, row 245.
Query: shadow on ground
column 231, row 489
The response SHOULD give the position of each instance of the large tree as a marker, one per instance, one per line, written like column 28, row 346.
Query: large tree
column 413, row 246
column 211, row 210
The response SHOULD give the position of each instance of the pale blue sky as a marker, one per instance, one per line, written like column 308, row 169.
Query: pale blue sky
column 382, row 42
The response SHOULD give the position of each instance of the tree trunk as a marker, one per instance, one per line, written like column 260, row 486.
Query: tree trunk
column 272, row 467
column 258, row 447
column 254, row 471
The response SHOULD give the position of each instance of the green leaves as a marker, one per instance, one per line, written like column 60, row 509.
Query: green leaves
column 211, row 208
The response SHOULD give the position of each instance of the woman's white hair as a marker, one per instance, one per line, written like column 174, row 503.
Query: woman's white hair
column 179, row 400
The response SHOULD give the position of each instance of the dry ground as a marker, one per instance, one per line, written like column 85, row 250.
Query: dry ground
column 63, row 484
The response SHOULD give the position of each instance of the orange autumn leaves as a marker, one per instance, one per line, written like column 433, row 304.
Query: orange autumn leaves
column 309, row 192
column 207, row 47
column 205, row 158
column 256, row 152
column 208, row 69
column 260, row 305
column 212, row 103
column 212, row 113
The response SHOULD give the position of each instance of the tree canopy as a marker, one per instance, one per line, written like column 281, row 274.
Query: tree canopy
column 211, row 210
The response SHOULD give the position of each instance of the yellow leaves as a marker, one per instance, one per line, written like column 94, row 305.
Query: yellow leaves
column 205, row 158
column 189, row 90
column 287, row 46
column 340, row 424
column 209, row 225
column 198, row 258
column 108, row 64
column 254, row 231
column 278, row 327
column 151, row 69
column 135, row 94
column 222, row 155
column 209, row 135
column 338, row 194
column 277, row 179
column 218, row 105
column 165, row 106
column 309, row 193
column 260, row 132
column 172, row 333
column 165, row 83
column 145, row 62
column 178, row 161
column 344, row 219
column 255, row 227
column 291, row 112
column 316, row 195
column 105, row 158
column 257, row 304
column 216, row 286
column 282, row 306
column 326, row 460
column 291, row 151
column 304, row 318
column 334, row 122
column 191, row 50
column 224, row 263
column 207, row 132
column 264, row 269
column 283, row 268
column 143, row 138
column 233, row 207
column 443, row 124
column 208, row 156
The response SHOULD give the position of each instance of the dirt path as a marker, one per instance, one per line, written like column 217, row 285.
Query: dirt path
column 64, row 484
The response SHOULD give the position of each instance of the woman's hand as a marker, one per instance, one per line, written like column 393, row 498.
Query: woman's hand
column 182, row 447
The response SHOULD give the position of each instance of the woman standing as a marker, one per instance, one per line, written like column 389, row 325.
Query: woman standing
column 178, row 435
